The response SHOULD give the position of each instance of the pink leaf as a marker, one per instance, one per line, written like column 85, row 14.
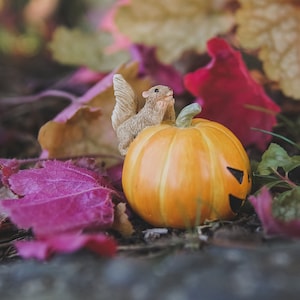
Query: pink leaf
column 151, row 66
column 263, row 207
column 66, row 243
column 59, row 197
column 271, row 225
column 224, row 88
column 108, row 24
column 85, row 75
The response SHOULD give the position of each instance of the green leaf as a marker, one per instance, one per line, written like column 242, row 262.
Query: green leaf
column 274, row 157
column 286, row 206
column 78, row 48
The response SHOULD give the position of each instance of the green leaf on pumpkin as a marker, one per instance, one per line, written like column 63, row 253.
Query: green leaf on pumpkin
column 78, row 48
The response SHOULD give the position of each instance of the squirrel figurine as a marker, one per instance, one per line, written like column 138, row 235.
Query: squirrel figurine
column 127, row 121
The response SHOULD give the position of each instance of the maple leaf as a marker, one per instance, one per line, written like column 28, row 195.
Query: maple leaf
column 74, row 47
column 65, row 243
column 167, row 24
column 273, row 27
column 84, row 128
column 59, row 198
column 281, row 215
column 224, row 88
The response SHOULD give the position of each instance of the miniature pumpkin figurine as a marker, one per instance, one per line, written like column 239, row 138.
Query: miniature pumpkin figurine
column 127, row 121
column 179, row 175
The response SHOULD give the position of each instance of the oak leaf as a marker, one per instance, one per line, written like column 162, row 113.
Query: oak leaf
column 173, row 26
column 273, row 27
column 84, row 128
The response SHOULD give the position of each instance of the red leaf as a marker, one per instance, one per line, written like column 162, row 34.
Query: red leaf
column 224, row 87
column 59, row 197
column 66, row 243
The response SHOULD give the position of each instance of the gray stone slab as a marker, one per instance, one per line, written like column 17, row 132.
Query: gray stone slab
column 211, row 273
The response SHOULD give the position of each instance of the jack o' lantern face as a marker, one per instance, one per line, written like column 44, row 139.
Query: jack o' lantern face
column 234, row 201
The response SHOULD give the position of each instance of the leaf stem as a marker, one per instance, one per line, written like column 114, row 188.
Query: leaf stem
column 284, row 178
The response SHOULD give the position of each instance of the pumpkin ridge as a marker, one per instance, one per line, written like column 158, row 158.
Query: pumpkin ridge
column 132, row 152
column 164, row 178
column 208, row 145
column 229, row 134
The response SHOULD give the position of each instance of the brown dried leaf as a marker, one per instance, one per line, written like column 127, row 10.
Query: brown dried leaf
column 174, row 25
column 84, row 128
column 273, row 26
column 121, row 221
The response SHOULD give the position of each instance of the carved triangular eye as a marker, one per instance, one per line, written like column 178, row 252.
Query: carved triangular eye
column 238, row 174
column 235, row 203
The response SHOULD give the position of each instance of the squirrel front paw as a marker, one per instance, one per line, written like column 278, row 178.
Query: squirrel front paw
column 161, row 106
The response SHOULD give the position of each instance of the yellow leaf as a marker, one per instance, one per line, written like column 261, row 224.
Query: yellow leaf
column 75, row 47
column 121, row 221
column 84, row 128
column 173, row 26
column 273, row 27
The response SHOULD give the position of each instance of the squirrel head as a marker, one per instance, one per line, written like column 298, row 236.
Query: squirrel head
column 158, row 93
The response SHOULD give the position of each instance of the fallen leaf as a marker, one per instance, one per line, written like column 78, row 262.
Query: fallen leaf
column 224, row 89
column 66, row 243
column 7, row 168
column 167, row 24
column 279, row 216
column 59, row 197
column 85, row 76
column 274, row 157
column 273, row 27
column 36, row 13
column 75, row 47
column 114, row 173
column 107, row 24
column 121, row 221
column 160, row 73
column 84, row 128
column 263, row 207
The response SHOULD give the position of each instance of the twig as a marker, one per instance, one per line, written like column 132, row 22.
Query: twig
column 33, row 98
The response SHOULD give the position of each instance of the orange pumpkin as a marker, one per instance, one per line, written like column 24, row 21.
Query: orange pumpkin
column 181, row 175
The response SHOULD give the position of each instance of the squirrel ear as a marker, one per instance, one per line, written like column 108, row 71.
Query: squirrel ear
column 145, row 94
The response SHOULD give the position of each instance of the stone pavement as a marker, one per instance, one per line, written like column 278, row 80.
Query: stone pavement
column 271, row 272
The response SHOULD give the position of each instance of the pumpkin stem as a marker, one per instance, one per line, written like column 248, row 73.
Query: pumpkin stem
column 186, row 115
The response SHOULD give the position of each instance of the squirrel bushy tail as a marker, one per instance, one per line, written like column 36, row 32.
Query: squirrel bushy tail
column 126, row 104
